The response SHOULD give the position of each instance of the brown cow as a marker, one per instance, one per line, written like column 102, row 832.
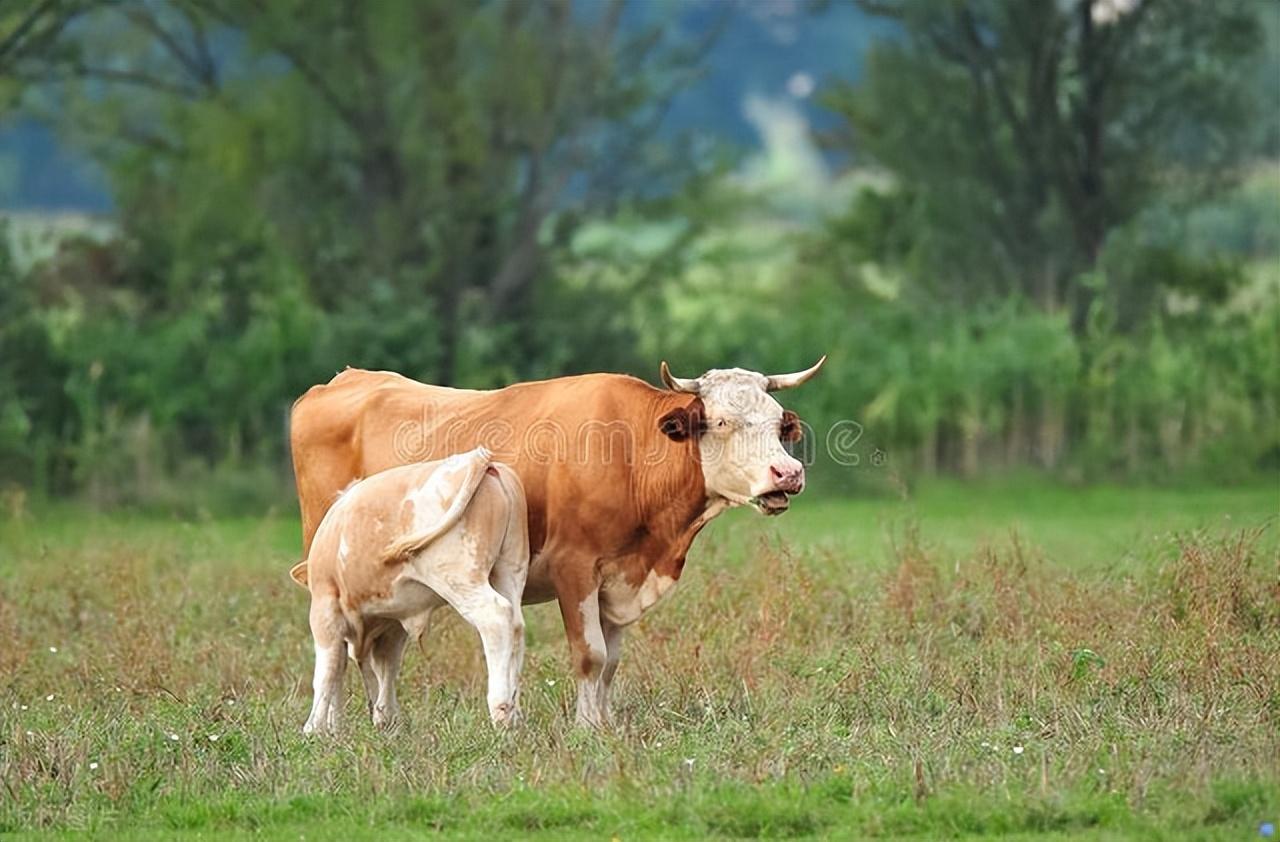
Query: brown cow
column 620, row 477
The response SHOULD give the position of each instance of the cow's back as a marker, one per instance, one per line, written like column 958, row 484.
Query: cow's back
column 363, row 422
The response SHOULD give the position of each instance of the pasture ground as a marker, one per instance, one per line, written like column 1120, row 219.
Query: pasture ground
column 1000, row 660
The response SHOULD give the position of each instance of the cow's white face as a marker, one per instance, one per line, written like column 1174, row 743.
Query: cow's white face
column 741, row 431
column 743, row 459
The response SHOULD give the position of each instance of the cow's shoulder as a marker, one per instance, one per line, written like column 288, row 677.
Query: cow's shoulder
column 346, row 387
column 359, row 379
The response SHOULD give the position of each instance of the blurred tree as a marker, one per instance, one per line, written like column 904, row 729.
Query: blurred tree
column 27, row 28
column 1023, row 132
column 416, row 161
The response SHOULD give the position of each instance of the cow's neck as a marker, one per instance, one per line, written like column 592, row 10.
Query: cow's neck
column 675, row 497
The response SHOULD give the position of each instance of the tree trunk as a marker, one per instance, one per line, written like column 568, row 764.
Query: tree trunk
column 929, row 451
column 1049, row 442
column 1015, row 452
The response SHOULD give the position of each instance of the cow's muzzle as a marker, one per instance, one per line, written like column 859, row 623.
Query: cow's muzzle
column 773, row 503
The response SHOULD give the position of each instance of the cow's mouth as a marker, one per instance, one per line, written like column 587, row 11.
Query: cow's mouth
column 773, row 503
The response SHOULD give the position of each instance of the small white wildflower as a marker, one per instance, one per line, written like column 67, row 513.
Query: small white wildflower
column 174, row 737
column 986, row 744
column 213, row 738
column 24, row 707
column 231, row 702
column 49, row 698
column 1017, row 749
column 93, row 767
column 53, row 649
column 658, row 744
column 688, row 763
column 1102, row 771
column 31, row 733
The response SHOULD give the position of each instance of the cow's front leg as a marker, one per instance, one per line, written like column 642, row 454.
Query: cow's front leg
column 613, row 654
column 580, row 609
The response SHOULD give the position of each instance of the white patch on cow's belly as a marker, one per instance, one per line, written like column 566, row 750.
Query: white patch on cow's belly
column 622, row 604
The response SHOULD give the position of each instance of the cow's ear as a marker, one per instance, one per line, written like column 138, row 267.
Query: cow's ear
column 790, row 430
column 683, row 422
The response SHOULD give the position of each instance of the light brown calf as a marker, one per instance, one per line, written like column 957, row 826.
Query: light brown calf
column 401, row 543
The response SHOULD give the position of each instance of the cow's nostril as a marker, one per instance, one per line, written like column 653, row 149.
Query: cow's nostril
column 773, row 469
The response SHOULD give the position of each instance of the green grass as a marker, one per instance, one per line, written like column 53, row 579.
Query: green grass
column 853, row 669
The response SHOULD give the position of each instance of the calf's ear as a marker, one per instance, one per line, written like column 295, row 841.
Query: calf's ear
column 683, row 422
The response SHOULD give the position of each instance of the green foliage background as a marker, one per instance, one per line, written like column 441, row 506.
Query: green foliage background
column 1076, row 274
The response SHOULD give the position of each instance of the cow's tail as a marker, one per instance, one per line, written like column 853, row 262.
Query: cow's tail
column 399, row 550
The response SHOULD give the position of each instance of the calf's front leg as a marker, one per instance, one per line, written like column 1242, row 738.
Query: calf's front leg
column 386, row 657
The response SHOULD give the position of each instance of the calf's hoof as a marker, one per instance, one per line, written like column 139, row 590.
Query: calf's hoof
column 506, row 715
column 385, row 718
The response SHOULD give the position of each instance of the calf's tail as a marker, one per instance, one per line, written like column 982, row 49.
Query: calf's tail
column 467, row 476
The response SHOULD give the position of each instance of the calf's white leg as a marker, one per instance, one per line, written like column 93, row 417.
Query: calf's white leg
column 508, row 579
column 494, row 617
column 386, row 657
column 327, row 628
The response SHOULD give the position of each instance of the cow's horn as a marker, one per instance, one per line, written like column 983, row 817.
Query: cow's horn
column 789, row 381
column 678, row 384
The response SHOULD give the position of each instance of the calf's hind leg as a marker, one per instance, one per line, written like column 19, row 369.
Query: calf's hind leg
column 328, row 628
column 494, row 617
column 508, row 578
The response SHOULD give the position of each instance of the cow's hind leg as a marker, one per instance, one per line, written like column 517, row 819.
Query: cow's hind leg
column 328, row 628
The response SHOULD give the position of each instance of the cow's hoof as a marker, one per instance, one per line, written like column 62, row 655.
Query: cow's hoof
column 595, row 717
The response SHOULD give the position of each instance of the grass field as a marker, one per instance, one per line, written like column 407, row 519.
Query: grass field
column 1002, row 660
